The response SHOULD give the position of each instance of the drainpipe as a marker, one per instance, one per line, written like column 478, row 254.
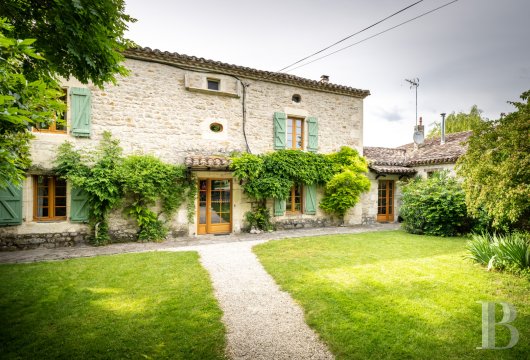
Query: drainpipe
column 442, row 138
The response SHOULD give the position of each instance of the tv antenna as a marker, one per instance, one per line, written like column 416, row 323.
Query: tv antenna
column 415, row 83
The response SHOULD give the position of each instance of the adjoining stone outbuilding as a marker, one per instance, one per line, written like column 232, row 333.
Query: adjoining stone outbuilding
column 192, row 111
column 389, row 165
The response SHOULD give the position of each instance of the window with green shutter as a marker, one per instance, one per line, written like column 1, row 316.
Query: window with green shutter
column 279, row 130
column 78, row 205
column 80, row 112
column 312, row 134
column 11, row 205
column 279, row 207
column 310, row 199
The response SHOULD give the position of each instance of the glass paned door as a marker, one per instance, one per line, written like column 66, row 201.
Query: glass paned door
column 215, row 206
column 385, row 201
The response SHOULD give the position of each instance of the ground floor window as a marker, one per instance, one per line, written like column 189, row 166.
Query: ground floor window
column 49, row 198
column 294, row 201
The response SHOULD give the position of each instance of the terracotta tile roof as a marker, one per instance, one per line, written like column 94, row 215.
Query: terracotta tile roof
column 432, row 152
column 403, row 158
column 193, row 62
column 385, row 156
column 382, row 169
column 213, row 162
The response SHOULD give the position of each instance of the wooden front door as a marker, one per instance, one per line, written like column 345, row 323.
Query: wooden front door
column 215, row 206
column 385, row 201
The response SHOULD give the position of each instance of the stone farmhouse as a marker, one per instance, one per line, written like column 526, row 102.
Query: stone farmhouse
column 388, row 165
column 192, row 111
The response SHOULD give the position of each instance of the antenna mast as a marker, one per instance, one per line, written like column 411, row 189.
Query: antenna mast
column 415, row 83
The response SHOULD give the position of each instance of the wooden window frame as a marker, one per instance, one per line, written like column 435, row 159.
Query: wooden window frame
column 51, row 199
column 53, row 125
column 290, row 206
column 291, row 143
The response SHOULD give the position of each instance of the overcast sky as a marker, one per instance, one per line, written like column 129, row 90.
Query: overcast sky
column 470, row 52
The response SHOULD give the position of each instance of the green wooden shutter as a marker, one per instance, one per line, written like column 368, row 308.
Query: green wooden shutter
column 80, row 107
column 78, row 205
column 11, row 205
column 279, row 207
column 310, row 199
column 279, row 130
column 312, row 134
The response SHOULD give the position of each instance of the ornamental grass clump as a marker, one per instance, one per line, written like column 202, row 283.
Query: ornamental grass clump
column 510, row 252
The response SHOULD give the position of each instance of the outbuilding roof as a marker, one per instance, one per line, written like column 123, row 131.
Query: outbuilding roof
column 403, row 159
column 199, row 63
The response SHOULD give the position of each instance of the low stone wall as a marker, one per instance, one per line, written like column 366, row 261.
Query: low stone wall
column 300, row 223
column 10, row 242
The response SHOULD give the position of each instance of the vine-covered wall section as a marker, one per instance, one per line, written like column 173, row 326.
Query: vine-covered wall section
column 272, row 175
column 147, row 189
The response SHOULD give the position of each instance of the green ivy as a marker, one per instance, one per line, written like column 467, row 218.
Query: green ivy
column 273, row 174
column 108, row 178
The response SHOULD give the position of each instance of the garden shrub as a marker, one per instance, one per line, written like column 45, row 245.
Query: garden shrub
column 259, row 218
column 510, row 252
column 434, row 206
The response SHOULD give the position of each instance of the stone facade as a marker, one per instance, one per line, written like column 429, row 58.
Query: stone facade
column 165, row 108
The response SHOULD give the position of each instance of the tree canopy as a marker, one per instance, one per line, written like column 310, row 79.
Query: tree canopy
column 79, row 38
column 458, row 122
column 40, row 41
column 496, row 168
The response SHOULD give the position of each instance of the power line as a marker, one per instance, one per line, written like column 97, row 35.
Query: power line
column 347, row 37
column 379, row 33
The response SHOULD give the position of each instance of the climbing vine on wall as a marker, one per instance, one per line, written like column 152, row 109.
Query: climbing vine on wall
column 272, row 175
column 137, row 181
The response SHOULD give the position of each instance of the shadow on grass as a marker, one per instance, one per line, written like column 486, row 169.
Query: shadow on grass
column 154, row 305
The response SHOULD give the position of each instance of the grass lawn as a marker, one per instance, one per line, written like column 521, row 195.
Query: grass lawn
column 133, row 306
column 397, row 296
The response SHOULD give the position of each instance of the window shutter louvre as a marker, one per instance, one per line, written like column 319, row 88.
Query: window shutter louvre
column 279, row 130
column 78, row 205
column 11, row 205
column 312, row 134
column 279, row 207
column 80, row 105
column 310, row 199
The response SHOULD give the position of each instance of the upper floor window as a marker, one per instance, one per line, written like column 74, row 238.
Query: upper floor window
column 58, row 125
column 295, row 134
column 49, row 198
column 214, row 84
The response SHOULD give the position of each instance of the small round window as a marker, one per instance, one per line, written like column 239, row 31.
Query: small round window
column 297, row 98
column 216, row 127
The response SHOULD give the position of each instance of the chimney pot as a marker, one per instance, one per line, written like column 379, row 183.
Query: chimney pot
column 324, row 79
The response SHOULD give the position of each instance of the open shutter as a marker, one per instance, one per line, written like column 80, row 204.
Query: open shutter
column 310, row 199
column 11, row 205
column 80, row 105
column 279, row 130
column 78, row 205
column 279, row 207
column 312, row 134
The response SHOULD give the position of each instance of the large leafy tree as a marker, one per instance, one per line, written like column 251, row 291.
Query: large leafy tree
column 40, row 41
column 79, row 38
column 458, row 122
column 496, row 168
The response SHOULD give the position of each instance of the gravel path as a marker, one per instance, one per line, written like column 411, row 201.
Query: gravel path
column 262, row 321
